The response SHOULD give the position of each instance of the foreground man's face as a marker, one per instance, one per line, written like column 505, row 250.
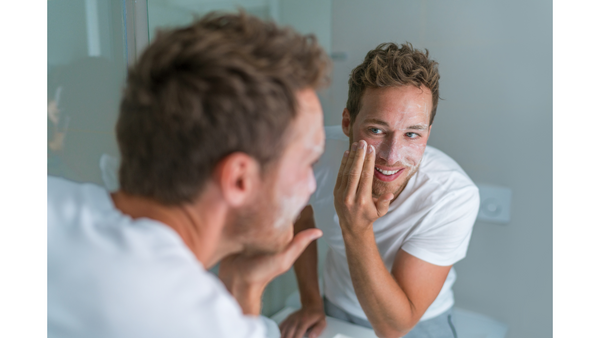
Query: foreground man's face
column 395, row 120
column 294, row 180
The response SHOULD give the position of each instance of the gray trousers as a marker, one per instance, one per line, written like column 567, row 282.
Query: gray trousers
column 437, row 327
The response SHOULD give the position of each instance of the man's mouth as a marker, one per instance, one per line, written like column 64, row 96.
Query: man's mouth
column 387, row 172
column 387, row 175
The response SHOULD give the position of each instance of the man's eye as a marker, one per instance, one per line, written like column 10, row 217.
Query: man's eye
column 412, row 135
column 375, row 130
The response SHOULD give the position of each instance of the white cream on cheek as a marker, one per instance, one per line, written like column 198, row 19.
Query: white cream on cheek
column 409, row 156
column 412, row 156
column 396, row 150
column 402, row 113
column 296, row 194
column 293, row 200
column 406, row 152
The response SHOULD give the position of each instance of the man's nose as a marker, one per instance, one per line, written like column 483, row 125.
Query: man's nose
column 390, row 150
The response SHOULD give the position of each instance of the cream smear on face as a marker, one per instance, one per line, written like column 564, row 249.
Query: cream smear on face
column 407, row 153
column 395, row 121
column 296, row 196
column 298, row 172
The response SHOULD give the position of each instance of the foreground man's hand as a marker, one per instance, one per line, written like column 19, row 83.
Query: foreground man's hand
column 355, row 205
column 247, row 276
column 309, row 320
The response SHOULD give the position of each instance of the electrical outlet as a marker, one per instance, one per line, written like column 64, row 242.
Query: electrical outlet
column 494, row 203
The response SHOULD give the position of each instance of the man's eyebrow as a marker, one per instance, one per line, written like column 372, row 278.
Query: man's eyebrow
column 377, row 121
column 418, row 127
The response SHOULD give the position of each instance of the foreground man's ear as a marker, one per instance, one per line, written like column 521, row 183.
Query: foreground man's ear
column 237, row 175
column 346, row 125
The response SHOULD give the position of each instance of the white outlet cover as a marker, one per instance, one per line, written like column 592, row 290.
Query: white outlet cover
column 494, row 203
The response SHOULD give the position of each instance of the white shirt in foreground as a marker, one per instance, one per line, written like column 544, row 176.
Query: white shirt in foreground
column 112, row 276
column 432, row 220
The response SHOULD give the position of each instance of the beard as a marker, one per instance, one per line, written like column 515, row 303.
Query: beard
column 262, row 227
column 381, row 188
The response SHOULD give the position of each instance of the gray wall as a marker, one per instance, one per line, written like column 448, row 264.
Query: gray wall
column 495, row 121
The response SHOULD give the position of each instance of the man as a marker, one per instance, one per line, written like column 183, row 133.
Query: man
column 218, row 130
column 397, row 214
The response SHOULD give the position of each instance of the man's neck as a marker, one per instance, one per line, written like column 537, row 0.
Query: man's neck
column 200, row 225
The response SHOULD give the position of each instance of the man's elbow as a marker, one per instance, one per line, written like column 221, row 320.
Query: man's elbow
column 393, row 332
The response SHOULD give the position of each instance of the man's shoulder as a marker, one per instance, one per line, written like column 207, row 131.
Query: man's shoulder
column 167, row 293
column 326, row 169
column 88, row 234
column 69, row 201
column 336, row 142
column 440, row 169
column 440, row 181
column 106, row 262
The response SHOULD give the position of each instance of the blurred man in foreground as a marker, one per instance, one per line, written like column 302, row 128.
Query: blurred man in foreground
column 397, row 214
column 218, row 130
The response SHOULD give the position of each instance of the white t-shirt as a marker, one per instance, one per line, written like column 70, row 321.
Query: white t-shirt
column 432, row 220
column 112, row 276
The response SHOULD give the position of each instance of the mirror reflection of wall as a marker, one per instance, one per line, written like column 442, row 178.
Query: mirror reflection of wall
column 308, row 16
column 86, row 68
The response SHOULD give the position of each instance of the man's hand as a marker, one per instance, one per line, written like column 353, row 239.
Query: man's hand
column 311, row 320
column 355, row 205
column 247, row 276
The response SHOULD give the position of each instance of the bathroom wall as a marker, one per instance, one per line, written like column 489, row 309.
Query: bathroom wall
column 495, row 120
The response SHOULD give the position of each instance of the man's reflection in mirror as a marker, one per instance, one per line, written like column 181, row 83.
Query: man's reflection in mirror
column 82, row 106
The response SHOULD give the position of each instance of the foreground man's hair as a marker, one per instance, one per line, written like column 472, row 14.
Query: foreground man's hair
column 224, row 84
column 390, row 65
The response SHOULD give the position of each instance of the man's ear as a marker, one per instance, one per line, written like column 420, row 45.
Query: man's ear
column 346, row 122
column 238, row 176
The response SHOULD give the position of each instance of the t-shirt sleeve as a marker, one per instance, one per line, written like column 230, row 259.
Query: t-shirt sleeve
column 442, row 235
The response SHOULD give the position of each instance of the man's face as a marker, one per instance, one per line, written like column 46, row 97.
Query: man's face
column 395, row 120
column 289, row 183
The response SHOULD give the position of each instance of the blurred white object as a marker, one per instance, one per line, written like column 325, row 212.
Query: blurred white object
column 495, row 203
column 109, row 166
column 272, row 327
column 468, row 324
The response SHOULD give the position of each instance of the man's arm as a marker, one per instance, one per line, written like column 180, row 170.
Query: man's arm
column 306, row 265
column 395, row 302
column 311, row 317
